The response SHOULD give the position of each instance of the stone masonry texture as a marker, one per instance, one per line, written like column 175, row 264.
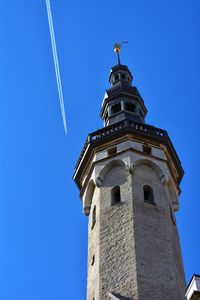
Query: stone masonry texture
column 135, row 243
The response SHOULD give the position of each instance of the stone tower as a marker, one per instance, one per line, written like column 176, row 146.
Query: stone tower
column 128, row 175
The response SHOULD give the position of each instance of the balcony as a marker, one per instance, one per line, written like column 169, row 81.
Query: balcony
column 133, row 127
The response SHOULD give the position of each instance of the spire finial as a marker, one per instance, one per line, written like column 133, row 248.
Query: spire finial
column 117, row 48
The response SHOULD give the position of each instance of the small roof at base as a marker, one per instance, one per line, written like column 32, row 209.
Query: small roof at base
column 193, row 288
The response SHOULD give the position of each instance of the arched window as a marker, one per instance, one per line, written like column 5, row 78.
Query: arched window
column 115, row 194
column 93, row 217
column 148, row 194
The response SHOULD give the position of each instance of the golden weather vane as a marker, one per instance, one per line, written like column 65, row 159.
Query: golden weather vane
column 117, row 48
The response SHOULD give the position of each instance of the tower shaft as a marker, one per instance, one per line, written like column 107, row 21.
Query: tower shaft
column 128, row 175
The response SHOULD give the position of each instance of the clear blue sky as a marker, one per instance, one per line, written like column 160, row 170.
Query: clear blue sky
column 43, row 234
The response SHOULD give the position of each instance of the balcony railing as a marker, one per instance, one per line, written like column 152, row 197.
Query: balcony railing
column 110, row 130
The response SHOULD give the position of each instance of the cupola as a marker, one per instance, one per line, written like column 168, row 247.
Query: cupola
column 120, row 73
column 122, row 100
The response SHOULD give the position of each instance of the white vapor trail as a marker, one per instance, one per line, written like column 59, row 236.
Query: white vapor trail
column 56, row 64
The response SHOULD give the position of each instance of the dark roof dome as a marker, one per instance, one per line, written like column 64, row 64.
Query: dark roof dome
column 120, row 73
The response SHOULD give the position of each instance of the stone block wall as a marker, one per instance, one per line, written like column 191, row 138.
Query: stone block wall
column 135, row 243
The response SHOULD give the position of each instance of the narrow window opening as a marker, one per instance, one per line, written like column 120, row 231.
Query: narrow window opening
column 148, row 194
column 106, row 115
column 93, row 260
column 130, row 107
column 116, row 197
column 116, row 77
column 93, row 217
column 146, row 149
column 112, row 151
column 123, row 76
column 116, row 108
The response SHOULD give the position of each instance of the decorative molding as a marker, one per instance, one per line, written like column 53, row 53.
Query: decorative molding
column 116, row 162
column 99, row 181
column 87, row 197
column 161, row 175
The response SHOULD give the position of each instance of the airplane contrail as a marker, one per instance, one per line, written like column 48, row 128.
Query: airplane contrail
column 56, row 65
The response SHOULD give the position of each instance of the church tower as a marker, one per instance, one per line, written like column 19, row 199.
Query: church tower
column 128, row 175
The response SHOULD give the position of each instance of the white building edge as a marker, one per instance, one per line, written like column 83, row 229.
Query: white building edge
column 193, row 288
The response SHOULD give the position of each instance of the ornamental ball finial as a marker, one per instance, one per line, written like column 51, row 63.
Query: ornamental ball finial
column 117, row 47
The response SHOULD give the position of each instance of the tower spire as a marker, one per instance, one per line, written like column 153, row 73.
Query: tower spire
column 128, row 175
